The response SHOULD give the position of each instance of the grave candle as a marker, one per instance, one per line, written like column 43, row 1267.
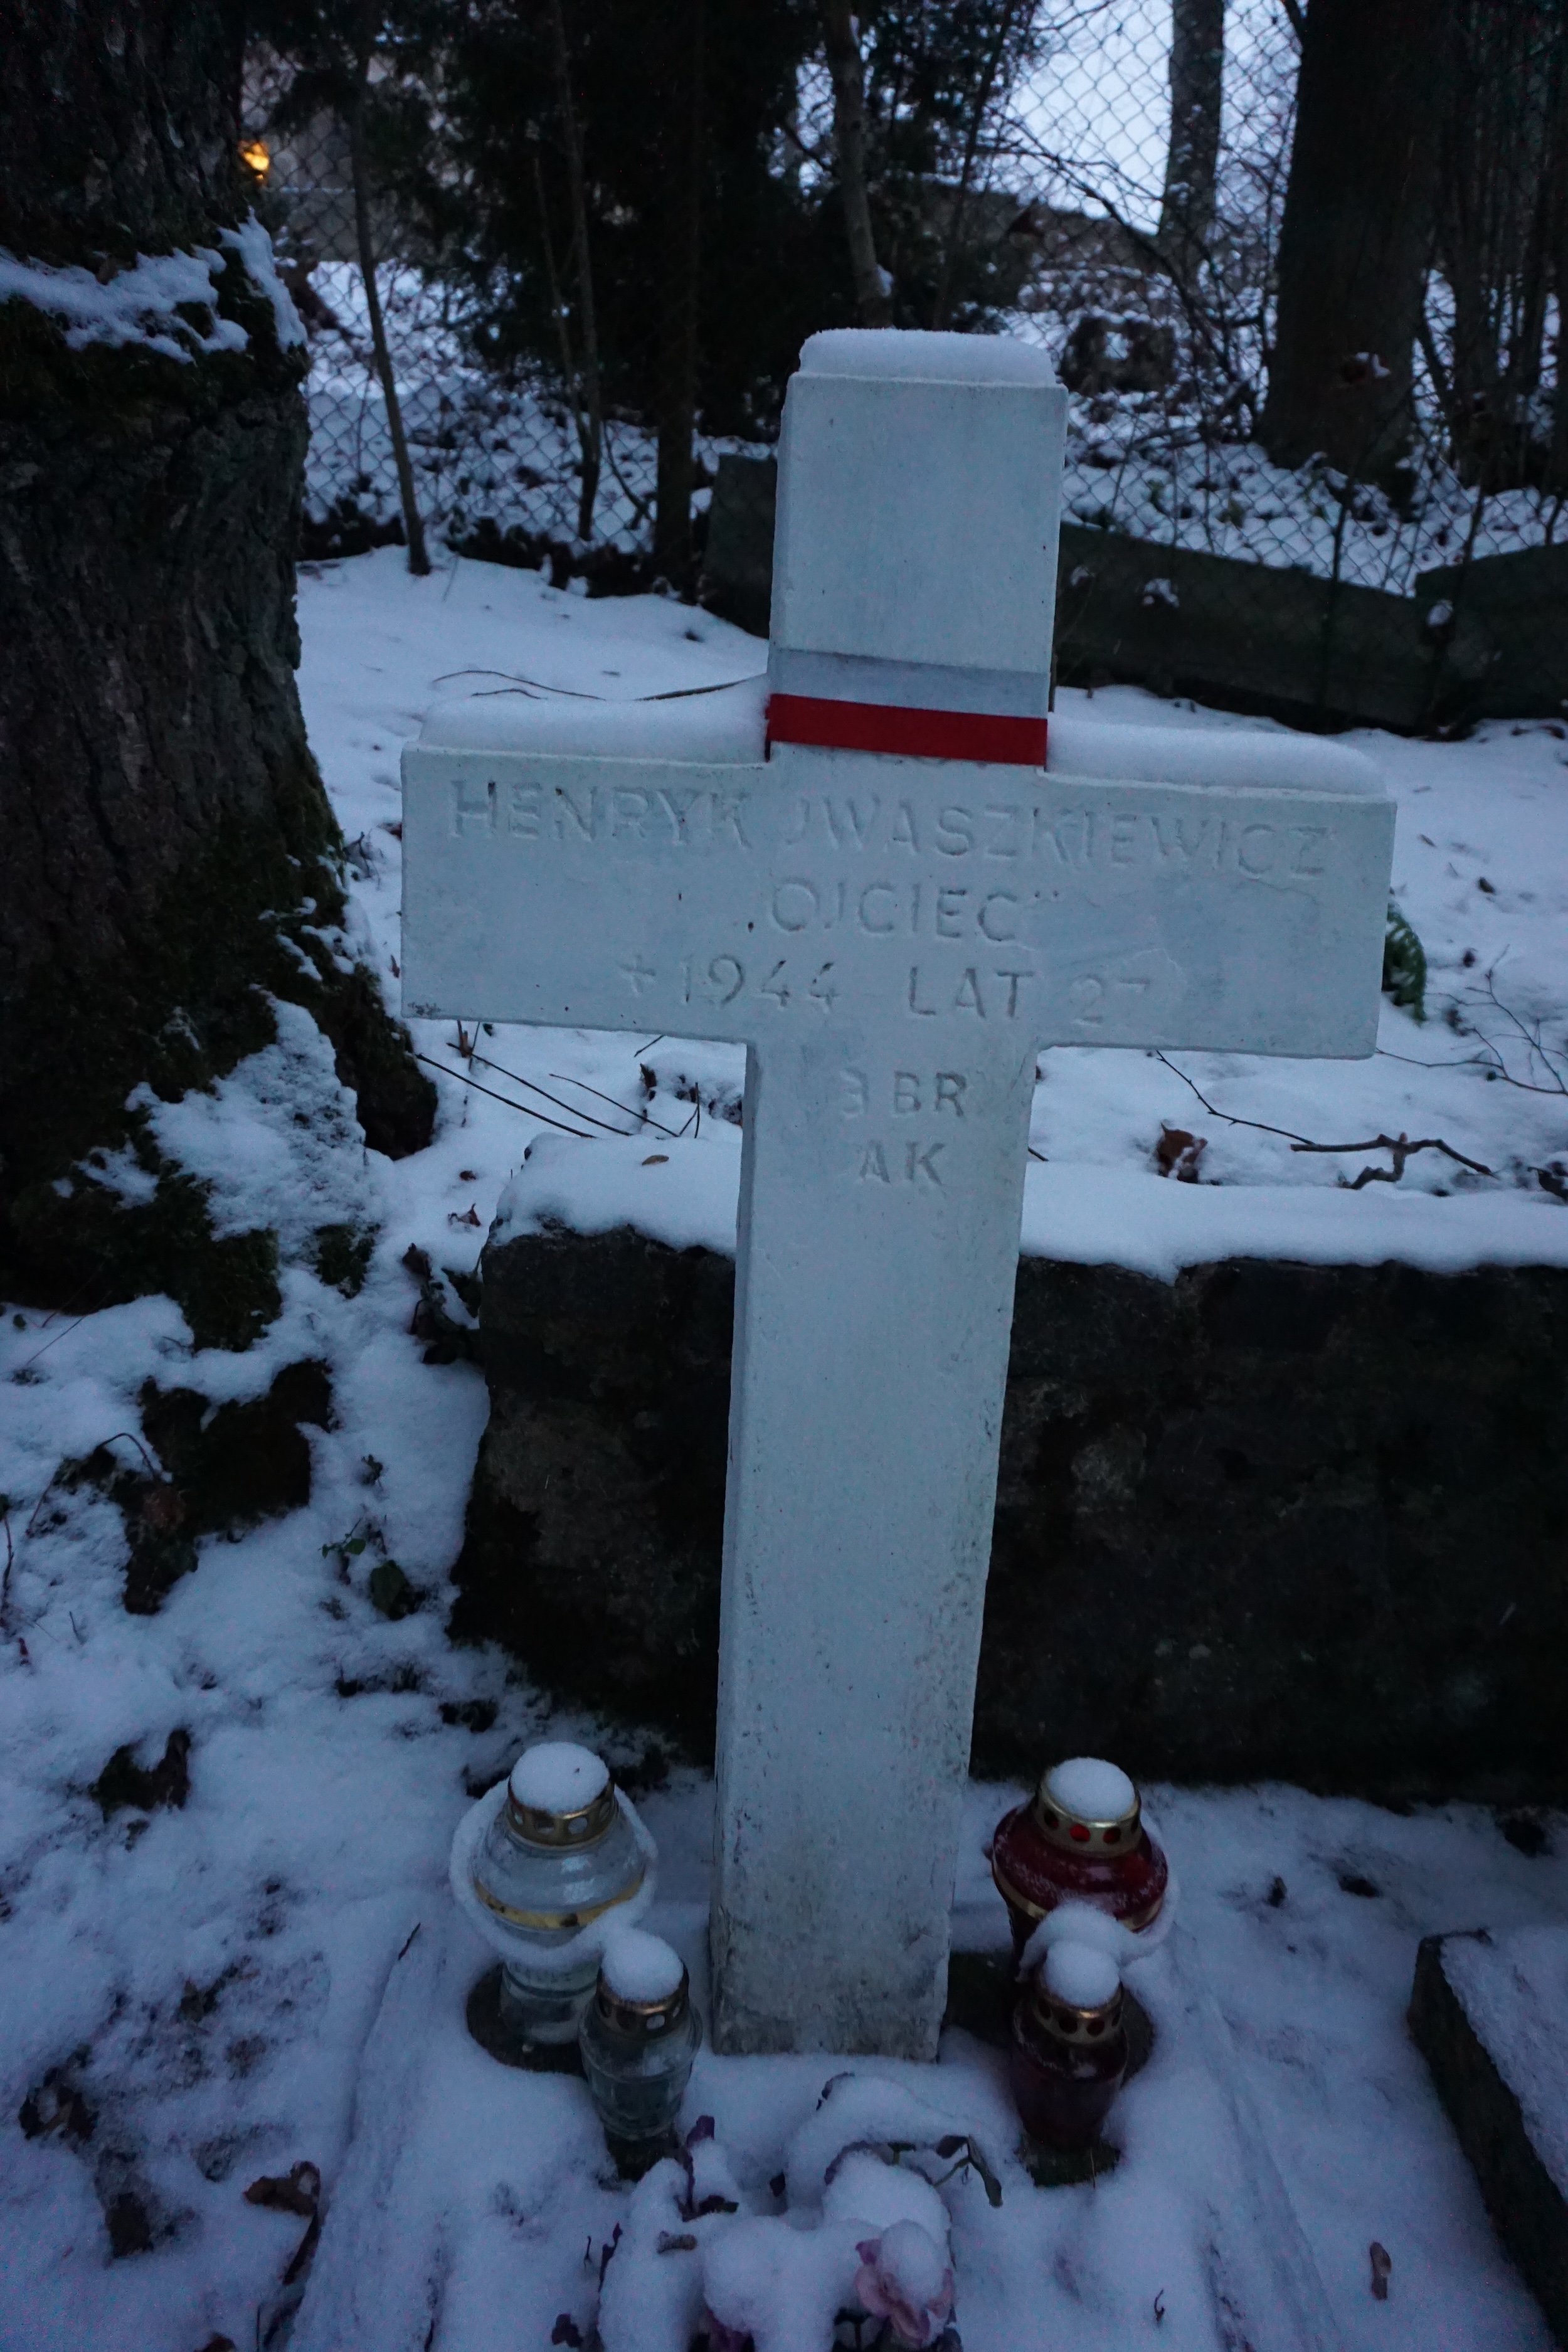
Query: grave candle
column 558, row 1856
column 1080, row 1838
column 638, row 2037
column 894, row 912
column 1067, row 2056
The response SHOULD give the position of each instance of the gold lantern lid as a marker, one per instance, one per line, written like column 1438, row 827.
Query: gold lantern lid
column 1075, row 1993
column 560, row 1795
column 1087, row 1807
column 643, row 1987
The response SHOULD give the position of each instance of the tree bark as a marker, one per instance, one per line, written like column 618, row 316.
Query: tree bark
column 871, row 296
column 1197, row 85
column 169, row 859
column 1357, row 231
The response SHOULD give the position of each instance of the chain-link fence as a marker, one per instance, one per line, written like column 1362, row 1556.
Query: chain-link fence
column 1307, row 300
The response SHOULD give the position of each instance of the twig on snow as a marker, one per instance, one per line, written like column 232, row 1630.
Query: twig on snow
column 1399, row 1146
column 525, row 1109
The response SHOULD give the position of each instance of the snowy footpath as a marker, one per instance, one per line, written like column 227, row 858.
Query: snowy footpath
column 210, row 1975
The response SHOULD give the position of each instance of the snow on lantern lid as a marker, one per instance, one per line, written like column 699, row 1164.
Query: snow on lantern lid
column 640, row 1967
column 1075, row 1994
column 1081, row 1974
column 560, row 1794
column 1087, row 1803
column 1080, row 1838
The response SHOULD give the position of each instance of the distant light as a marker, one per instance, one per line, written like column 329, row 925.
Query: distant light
column 257, row 157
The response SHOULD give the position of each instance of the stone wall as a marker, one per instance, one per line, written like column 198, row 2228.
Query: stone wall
column 1269, row 1519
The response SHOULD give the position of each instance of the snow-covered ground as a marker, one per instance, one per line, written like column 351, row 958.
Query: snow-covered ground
column 199, row 1983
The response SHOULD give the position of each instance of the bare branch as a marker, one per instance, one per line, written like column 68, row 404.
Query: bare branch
column 1399, row 1146
column 1402, row 1149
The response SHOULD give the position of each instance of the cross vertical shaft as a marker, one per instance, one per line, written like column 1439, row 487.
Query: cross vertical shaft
column 871, row 1354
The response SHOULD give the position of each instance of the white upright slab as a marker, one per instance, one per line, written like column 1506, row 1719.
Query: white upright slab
column 894, row 938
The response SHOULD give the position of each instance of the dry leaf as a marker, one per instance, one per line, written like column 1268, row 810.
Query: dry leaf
column 299, row 2192
column 1178, row 1152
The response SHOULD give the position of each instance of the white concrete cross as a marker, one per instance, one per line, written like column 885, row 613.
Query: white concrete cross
column 895, row 910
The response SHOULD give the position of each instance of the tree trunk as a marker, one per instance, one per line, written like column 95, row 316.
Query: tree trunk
column 1356, row 234
column 413, row 522
column 587, row 400
column 871, row 296
column 169, row 853
column 1197, row 84
column 676, row 473
column 1497, row 186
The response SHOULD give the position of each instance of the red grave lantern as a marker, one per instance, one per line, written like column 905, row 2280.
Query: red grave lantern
column 1080, row 1838
column 1067, row 2056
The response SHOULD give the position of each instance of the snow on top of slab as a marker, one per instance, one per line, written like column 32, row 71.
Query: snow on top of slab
column 1081, row 1976
column 641, row 1967
column 684, row 1192
column 141, row 304
column 1514, row 1991
column 1095, row 1790
column 558, row 1776
column 907, row 356
column 1246, row 757
column 721, row 725
column 681, row 1192
column 1111, row 1216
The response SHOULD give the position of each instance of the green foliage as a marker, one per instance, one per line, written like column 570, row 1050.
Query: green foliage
column 1403, row 964
column 343, row 1256
column 389, row 1591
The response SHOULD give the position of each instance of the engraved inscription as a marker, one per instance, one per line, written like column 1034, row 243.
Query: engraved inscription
column 675, row 816
column 988, row 992
column 892, row 1163
column 1026, row 833
column 720, row 980
column 473, row 807
column 888, row 909
column 907, row 1093
column 1091, row 998
column 1048, row 844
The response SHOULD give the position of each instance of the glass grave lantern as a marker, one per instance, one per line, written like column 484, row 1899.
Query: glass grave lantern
column 560, row 1852
column 1067, row 2056
column 1080, row 1838
column 638, row 2037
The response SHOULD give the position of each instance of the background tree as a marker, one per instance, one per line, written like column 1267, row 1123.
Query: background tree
column 1191, row 156
column 1499, row 196
column 170, row 857
column 662, row 225
column 1356, row 235
column 940, row 75
column 841, row 39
